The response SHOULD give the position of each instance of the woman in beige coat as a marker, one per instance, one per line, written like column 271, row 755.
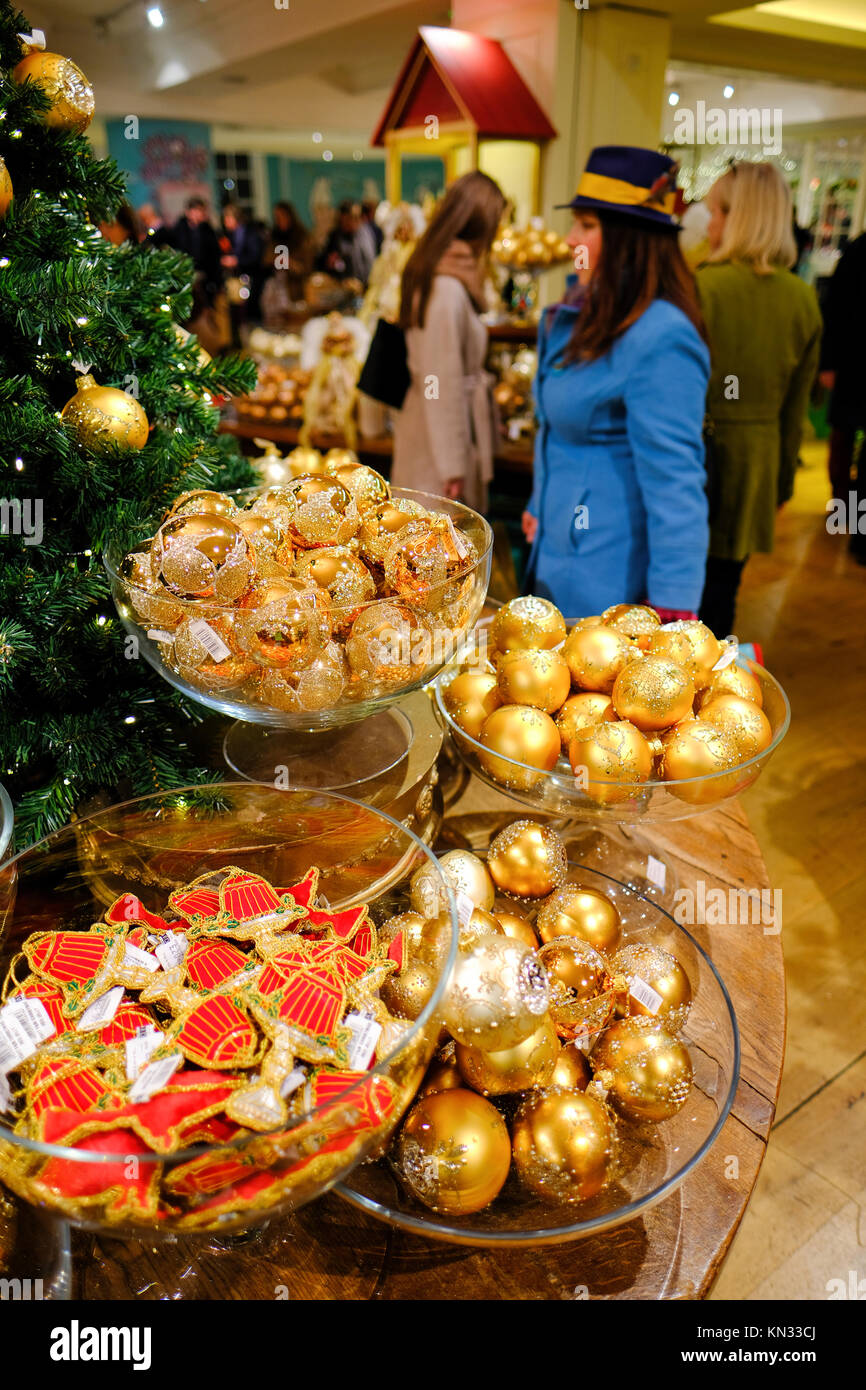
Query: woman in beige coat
column 443, row 436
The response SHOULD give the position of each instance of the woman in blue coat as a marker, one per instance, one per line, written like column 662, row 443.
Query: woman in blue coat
column 618, row 511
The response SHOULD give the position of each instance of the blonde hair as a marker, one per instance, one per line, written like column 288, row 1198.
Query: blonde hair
column 758, row 229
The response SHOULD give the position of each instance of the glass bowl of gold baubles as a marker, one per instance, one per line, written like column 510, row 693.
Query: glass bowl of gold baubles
column 194, row 1033
column 589, row 1060
column 617, row 717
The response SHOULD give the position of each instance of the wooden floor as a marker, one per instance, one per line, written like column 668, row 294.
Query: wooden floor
column 806, row 605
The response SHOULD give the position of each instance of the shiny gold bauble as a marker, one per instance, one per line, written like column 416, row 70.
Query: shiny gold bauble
column 72, row 101
column 518, row 734
column 514, row 924
column 453, row 1152
column 338, row 571
column 527, row 622
column 528, row 1063
column 581, row 998
column 203, row 557
column 325, row 513
column 617, row 760
column 287, row 635
column 467, row 874
column 103, row 419
column 304, row 460
column 564, row 1144
column 646, row 1070
column 427, row 937
column 653, row 694
column 336, row 459
column 427, row 891
column 732, row 680
column 635, row 620
column 699, row 750
column 470, row 698
column 692, row 645
column 202, row 501
column 380, row 524
column 368, row 487
column 5, row 189
column 571, row 1070
column 580, row 712
column 195, row 663
column 527, row 860
column 497, row 994
column 643, row 963
column 407, row 993
column 441, row 1076
column 389, row 646
column 749, row 728
column 425, row 558
column 474, row 927
column 262, row 532
column 574, row 910
column 534, row 676
column 596, row 655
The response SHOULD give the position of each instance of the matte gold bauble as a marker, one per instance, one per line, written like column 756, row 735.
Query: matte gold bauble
column 571, row 1070
column 534, row 677
column 407, row 993
column 635, row 620
column 203, row 501
column 528, row 1063
column 581, row 997
column 497, row 994
column 616, row 758
column 596, row 655
column 692, row 645
column 747, row 725
column 103, row 419
column 477, row 925
column 564, row 1144
column 72, row 101
column 467, row 874
column 658, row 985
column 427, row 892
column 470, row 698
column 5, row 189
column 453, row 1152
column 653, row 694
column 580, row 712
column 699, row 750
column 518, row 734
column 427, row 938
column 646, row 1070
column 574, row 910
column 527, row 860
column 527, row 622
column 441, row 1076
column 732, row 680
column 514, row 924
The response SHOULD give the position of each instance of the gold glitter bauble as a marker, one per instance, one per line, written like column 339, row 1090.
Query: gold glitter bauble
column 699, row 751
column 427, row 936
column 441, row 1076
column 616, row 757
column 518, row 734
column 5, row 189
column 262, row 532
column 646, row 1070
column 653, row 694
column 424, row 560
column 527, row 860
column 527, row 622
column 390, row 646
column 276, row 502
column 467, row 874
column 745, row 722
column 380, row 524
column 564, row 1144
column 319, row 686
column 453, row 1152
column 580, row 712
column 407, row 994
column 497, row 994
column 528, row 1063
column 596, row 655
column 202, row 502
column 478, row 924
column 514, row 924
column 103, row 419
column 72, row 101
column 643, row 963
column 571, row 1070
column 338, row 571
column 286, row 635
column 692, row 645
column 634, row 620
column 195, row 662
column 581, row 997
column 427, row 892
column 304, row 460
column 575, row 910
column 534, row 677
column 732, row 680
column 340, row 458
column 470, row 698
column 368, row 487
column 325, row 513
column 203, row 557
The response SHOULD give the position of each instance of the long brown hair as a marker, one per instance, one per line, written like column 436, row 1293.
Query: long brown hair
column 639, row 263
column 470, row 212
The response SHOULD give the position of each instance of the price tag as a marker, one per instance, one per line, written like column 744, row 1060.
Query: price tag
column 292, row 1081
column 366, row 1033
column 514, row 428
column 645, row 994
column 5, row 1093
column 134, row 956
column 24, row 1024
column 210, row 640
column 465, row 908
column 171, row 949
column 460, row 542
column 153, row 1078
column 656, row 872
column 156, row 634
column 140, row 1049
column 101, row 1011
column 584, row 1042
column 596, row 1090
column 729, row 655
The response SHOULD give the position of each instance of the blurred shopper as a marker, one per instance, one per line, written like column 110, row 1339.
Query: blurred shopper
column 193, row 234
column 765, row 335
column 241, row 261
column 843, row 371
column 443, row 436
column 348, row 253
column 370, row 227
column 125, row 227
column 287, row 261
column 618, row 511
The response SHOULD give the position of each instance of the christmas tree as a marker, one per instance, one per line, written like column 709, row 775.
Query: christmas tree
column 77, row 715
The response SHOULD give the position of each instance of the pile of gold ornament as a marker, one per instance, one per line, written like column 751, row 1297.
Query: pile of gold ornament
column 533, row 248
column 279, row 395
column 317, row 592
column 513, row 390
column 559, row 1031
column 621, row 700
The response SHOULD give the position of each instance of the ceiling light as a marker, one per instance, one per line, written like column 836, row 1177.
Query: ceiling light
column 317, row 137
column 328, row 155
column 727, row 90
column 155, row 17
column 673, row 98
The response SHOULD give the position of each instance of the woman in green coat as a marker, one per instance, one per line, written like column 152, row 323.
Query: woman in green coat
column 765, row 334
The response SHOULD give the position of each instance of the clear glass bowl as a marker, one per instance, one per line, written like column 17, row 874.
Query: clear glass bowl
column 244, row 700
column 150, row 847
column 558, row 793
column 654, row 1158
column 7, row 823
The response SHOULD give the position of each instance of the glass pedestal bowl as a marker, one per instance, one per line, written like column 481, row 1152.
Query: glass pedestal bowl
column 352, row 736
column 221, row 1178
column 654, row 1159
column 7, row 823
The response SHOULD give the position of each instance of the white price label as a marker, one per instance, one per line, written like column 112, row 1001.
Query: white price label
column 460, row 542
column 584, row 1042
column 24, row 1024
column 645, row 994
column 156, row 634
column 656, row 872
column 596, row 1090
column 101, row 1011
column 514, row 427
column 292, row 1081
column 731, row 652
column 210, row 640
column 140, row 1049
column 5, row 1093
column 171, row 949
column 153, row 1078
column 134, row 956
column 366, row 1033
column 465, row 908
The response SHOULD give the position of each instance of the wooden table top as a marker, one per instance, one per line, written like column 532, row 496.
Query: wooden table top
column 329, row 1250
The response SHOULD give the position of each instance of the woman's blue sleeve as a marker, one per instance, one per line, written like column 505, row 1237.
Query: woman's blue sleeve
column 533, row 506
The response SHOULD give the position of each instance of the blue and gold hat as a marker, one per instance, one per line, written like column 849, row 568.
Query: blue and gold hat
column 626, row 179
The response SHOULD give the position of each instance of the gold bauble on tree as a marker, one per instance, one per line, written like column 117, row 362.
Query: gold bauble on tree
column 5, row 189
column 596, row 655
column 745, row 722
column 470, row 698
column 528, row 1063
column 564, row 1145
column 580, row 712
column 526, row 622
column 576, row 910
column 518, row 734
column 497, row 995
column 103, row 419
column 70, row 93
column 658, row 986
column 653, row 694
column 527, row 860
column 453, row 1152
column 646, row 1071
column 536, row 677
column 614, row 759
